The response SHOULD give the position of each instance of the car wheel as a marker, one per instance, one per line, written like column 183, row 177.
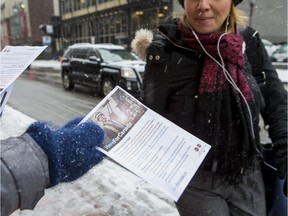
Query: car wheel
column 67, row 82
column 108, row 85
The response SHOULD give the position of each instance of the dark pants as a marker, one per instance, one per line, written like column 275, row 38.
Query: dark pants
column 207, row 195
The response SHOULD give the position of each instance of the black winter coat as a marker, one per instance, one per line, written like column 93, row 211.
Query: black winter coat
column 172, row 78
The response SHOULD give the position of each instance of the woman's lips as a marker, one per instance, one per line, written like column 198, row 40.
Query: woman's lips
column 204, row 19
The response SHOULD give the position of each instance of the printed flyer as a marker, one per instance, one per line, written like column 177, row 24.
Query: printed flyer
column 14, row 60
column 147, row 144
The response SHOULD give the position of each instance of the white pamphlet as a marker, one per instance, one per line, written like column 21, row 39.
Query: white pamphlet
column 13, row 61
column 148, row 144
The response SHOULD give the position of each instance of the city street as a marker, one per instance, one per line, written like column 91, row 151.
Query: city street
column 41, row 96
column 38, row 93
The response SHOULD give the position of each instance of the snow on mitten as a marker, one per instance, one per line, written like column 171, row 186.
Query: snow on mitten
column 71, row 149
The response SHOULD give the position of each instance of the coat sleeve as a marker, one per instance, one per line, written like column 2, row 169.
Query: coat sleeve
column 274, row 112
column 24, row 174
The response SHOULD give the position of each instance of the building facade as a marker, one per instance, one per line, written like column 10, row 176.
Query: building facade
column 114, row 21
column 20, row 20
column 109, row 21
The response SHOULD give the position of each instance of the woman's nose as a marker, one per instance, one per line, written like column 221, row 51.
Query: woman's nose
column 203, row 5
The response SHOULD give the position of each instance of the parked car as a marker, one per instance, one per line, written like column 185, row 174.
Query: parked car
column 101, row 66
column 270, row 47
column 281, row 54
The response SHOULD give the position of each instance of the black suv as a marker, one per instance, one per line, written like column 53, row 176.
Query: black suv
column 101, row 66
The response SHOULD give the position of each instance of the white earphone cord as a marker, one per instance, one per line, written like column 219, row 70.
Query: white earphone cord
column 226, row 73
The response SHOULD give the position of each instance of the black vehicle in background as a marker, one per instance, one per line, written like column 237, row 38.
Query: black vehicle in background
column 280, row 54
column 101, row 66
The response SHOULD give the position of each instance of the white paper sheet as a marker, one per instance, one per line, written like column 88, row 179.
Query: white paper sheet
column 13, row 61
column 147, row 144
column 4, row 95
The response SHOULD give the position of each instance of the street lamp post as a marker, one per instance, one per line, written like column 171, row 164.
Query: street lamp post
column 252, row 6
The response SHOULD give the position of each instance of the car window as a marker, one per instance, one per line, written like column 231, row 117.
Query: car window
column 67, row 53
column 91, row 52
column 116, row 55
column 79, row 53
column 283, row 48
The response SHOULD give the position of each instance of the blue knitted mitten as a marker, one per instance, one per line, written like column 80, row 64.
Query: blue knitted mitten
column 71, row 149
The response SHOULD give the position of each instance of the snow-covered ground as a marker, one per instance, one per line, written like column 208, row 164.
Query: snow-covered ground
column 53, row 64
column 106, row 190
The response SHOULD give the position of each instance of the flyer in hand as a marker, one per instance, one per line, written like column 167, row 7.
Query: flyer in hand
column 14, row 60
column 148, row 144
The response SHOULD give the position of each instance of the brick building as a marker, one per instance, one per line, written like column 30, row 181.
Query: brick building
column 20, row 20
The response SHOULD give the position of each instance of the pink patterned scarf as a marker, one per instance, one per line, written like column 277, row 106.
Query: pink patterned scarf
column 213, row 79
column 222, row 116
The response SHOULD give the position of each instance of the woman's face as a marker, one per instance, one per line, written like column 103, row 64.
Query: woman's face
column 207, row 16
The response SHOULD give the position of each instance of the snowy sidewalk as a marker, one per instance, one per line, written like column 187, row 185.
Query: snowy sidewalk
column 46, row 64
column 107, row 190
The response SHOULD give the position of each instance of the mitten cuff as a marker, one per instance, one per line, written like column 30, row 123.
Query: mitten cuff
column 44, row 137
